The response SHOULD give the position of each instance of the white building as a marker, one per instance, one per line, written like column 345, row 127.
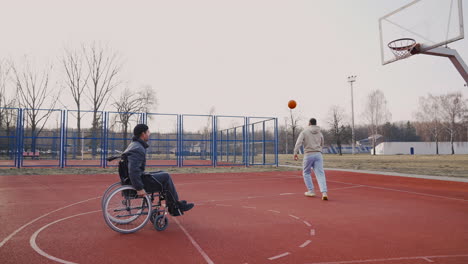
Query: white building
column 419, row 148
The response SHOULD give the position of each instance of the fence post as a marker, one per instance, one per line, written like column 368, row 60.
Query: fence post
column 104, row 138
column 276, row 142
column 63, row 115
column 214, row 144
column 19, row 137
column 264, row 142
column 247, row 141
column 179, row 140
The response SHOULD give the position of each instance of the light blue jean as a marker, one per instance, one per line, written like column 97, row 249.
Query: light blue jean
column 315, row 161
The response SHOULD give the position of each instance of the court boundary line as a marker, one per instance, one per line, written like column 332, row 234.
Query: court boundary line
column 33, row 244
column 396, row 174
column 355, row 184
column 403, row 191
column 388, row 259
column 5, row 240
column 194, row 243
column 272, row 195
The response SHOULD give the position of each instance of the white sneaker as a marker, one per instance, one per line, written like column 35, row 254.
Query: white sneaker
column 309, row 193
column 325, row 196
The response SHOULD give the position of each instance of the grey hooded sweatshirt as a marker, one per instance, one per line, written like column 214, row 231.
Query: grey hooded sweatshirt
column 312, row 140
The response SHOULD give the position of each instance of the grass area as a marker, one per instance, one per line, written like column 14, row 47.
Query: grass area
column 442, row 165
column 84, row 170
column 436, row 165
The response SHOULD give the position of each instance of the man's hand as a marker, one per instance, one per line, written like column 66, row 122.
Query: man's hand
column 141, row 193
column 295, row 157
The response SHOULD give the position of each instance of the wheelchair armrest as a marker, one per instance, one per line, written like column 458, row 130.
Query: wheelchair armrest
column 112, row 158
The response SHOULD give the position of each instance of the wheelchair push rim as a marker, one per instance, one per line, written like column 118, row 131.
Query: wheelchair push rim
column 125, row 212
column 109, row 190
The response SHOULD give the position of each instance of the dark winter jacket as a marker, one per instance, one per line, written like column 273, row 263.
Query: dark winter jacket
column 136, row 154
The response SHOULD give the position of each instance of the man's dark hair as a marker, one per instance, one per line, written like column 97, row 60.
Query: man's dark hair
column 313, row 121
column 140, row 129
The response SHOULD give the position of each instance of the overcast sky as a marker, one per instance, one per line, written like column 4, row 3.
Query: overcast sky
column 242, row 57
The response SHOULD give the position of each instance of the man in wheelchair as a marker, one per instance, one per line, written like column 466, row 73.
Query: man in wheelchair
column 154, row 181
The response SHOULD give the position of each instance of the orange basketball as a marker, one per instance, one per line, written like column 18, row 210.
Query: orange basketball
column 292, row 104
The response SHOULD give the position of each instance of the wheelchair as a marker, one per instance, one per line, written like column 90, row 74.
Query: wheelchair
column 126, row 212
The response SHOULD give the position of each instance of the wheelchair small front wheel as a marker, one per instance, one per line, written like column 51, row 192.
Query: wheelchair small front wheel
column 161, row 222
column 155, row 213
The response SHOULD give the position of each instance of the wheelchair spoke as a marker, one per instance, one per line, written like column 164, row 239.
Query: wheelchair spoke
column 126, row 215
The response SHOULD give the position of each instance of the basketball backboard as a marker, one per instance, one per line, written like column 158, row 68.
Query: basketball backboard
column 430, row 23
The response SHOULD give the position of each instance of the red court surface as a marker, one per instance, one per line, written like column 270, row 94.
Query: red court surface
column 242, row 218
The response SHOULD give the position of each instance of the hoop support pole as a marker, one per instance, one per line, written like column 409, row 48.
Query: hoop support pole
column 454, row 57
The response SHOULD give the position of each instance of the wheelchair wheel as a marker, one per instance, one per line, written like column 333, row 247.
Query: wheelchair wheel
column 155, row 213
column 125, row 212
column 161, row 222
column 108, row 190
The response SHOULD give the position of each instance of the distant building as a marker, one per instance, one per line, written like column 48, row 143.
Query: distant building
column 346, row 149
column 420, row 148
column 366, row 142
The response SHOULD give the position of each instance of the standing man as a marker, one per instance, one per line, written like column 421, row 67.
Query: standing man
column 312, row 140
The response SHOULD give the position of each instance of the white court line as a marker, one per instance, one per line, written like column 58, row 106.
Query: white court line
column 305, row 244
column 194, row 243
column 387, row 259
column 307, row 223
column 312, row 232
column 241, row 180
column 295, row 217
column 32, row 240
column 397, row 174
column 40, row 217
column 279, row 256
column 396, row 190
column 274, row 211
column 428, row 260
column 344, row 188
column 274, row 195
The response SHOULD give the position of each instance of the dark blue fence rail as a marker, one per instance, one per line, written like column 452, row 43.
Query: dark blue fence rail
column 57, row 139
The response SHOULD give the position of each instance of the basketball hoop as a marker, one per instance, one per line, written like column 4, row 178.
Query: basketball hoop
column 403, row 48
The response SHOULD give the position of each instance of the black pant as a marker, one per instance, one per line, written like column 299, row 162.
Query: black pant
column 161, row 181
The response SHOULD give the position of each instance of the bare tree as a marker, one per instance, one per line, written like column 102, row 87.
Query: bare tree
column 335, row 120
column 429, row 116
column 76, row 78
column 148, row 99
column 4, row 75
column 104, row 67
column 208, row 131
column 293, row 121
column 130, row 104
column 8, row 114
column 376, row 113
column 34, row 92
column 452, row 109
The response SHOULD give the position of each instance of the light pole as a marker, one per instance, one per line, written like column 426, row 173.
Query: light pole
column 352, row 79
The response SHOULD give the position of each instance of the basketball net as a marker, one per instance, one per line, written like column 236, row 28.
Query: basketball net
column 402, row 48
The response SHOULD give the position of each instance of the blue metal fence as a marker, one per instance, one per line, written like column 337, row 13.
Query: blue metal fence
column 9, row 139
column 59, row 140
column 41, row 134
